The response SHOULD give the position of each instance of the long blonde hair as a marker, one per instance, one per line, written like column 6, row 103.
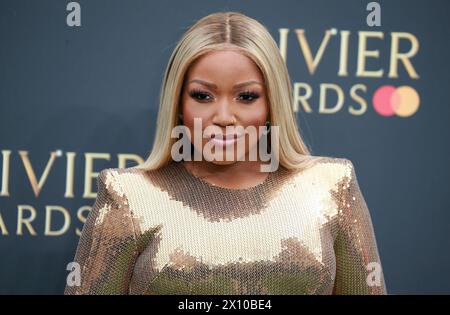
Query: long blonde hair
column 230, row 30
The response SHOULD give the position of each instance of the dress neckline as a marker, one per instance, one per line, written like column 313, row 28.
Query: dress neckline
column 216, row 203
column 217, row 188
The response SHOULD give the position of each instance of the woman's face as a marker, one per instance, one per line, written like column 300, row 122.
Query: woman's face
column 224, row 88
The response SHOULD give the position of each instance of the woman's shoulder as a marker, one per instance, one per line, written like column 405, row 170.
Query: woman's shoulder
column 329, row 168
column 130, row 180
column 336, row 162
column 120, row 179
column 326, row 161
column 116, row 174
column 330, row 158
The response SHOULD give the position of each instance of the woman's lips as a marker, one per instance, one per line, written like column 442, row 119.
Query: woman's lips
column 224, row 140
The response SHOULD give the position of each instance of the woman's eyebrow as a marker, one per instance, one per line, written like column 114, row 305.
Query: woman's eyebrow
column 236, row 86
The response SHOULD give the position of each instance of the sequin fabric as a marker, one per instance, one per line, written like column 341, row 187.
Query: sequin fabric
column 170, row 232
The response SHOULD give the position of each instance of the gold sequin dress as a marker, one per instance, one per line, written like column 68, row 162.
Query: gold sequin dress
column 170, row 232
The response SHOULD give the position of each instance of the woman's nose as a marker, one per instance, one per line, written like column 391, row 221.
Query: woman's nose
column 223, row 115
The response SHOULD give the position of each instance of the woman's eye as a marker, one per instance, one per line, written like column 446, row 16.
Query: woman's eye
column 200, row 96
column 248, row 96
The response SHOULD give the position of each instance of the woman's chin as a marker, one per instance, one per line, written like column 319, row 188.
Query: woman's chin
column 223, row 162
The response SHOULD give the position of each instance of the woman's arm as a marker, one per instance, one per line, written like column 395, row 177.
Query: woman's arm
column 358, row 265
column 107, row 248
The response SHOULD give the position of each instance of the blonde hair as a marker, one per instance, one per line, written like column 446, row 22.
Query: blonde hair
column 236, row 31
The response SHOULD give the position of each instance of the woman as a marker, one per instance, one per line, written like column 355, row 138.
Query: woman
column 209, row 225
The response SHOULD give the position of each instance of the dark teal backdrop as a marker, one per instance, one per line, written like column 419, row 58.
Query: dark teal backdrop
column 94, row 89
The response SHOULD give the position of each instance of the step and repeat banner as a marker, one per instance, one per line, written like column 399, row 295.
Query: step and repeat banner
column 79, row 91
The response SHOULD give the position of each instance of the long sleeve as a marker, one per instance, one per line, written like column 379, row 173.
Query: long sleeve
column 358, row 265
column 107, row 248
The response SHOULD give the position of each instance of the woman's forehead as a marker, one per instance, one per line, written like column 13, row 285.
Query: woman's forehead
column 222, row 65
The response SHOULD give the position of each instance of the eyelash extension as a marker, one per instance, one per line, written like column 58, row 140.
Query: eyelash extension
column 195, row 93
column 253, row 95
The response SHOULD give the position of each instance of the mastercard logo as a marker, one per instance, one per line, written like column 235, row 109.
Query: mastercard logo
column 402, row 101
